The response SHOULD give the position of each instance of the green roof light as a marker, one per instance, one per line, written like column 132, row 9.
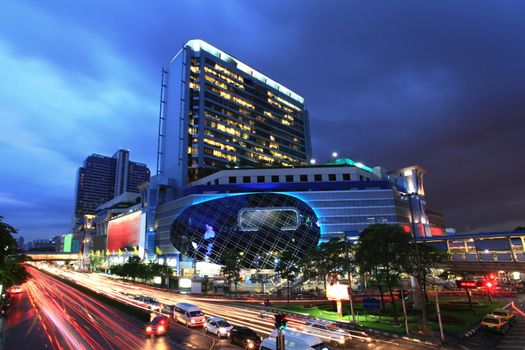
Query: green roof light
column 350, row 162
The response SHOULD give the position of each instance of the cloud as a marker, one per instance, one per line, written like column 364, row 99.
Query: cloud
column 438, row 84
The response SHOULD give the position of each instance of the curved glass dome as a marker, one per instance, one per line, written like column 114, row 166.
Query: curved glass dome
column 257, row 224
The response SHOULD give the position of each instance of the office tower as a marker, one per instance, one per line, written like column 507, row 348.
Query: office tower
column 102, row 178
column 218, row 113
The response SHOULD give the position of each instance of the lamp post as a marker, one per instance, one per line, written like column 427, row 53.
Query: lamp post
column 347, row 263
column 409, row 196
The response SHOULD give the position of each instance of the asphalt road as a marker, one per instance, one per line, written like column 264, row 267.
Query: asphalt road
column 51, row 315
column 23, row 328
column 513, row 340
column 234, row 313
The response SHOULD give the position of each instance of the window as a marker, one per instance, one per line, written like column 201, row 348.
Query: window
column 246, row 179
column 360, row 177
column 346, row 177
column 303, row 178
column 289, row 178
column 318, row 177
column 331, row 177
column 260, row 178
column 216, row 181
column 233, row 180
column 275, row 178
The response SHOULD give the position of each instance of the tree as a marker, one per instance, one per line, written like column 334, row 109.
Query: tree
column 288, row 268
column 520, row 228
column 430, row 257
column 11, row 269
column 324, row 260
column 231, row 260
column 383, row 251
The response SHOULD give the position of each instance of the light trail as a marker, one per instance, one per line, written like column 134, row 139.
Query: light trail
column 72, row 320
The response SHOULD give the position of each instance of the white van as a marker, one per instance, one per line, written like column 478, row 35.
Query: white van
column 294, row 341
column 188, row 314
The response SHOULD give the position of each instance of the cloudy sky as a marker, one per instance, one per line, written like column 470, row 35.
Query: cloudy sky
column 440, row 84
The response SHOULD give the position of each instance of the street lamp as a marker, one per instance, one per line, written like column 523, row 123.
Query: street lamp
column 312, row 161
column 409, row 196
column 334, row 154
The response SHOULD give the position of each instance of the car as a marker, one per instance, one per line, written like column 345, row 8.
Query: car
column 158, row 326
column 218, row 326
column 294, row 340
column 152, row 303
column 188, row 314
column 15, row 289
column 505, row 315
column 494, row 323
column 244, row 336
column 168, row 309
column 330, row 332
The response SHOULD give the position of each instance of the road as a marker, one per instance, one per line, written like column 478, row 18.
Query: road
column 51, row 315
column 513, row 340
column 234, row 313
column 23, row 323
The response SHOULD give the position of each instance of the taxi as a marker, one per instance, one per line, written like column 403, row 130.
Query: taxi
column 505, row 314
column 495, row 323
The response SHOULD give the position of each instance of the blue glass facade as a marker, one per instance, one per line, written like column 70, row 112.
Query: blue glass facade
column 259, row 225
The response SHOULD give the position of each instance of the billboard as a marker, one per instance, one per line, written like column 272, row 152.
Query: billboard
column 68, row 239
column 124, row 233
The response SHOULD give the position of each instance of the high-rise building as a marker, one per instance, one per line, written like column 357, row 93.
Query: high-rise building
column 218, row 113
column 102, row 178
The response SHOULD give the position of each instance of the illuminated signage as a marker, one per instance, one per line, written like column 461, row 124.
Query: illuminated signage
column 124, row 233
column 337, row 291
column 466, row 284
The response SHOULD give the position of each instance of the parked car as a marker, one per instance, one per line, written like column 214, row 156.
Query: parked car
column 158, row 326
column 188, row 314
column 218, row 326
column 495, row 324
column 244, row 336
column 506, row 315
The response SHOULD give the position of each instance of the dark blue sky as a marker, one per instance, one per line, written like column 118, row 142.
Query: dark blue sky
column 396, row 83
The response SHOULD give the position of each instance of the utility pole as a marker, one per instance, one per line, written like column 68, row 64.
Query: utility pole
column 347, row 263
column 404, row 309
column 439, row 317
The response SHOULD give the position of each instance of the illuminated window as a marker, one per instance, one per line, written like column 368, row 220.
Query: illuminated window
column 252, row 219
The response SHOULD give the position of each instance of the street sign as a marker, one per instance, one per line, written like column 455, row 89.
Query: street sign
column 466, row 284
column 371, row 304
